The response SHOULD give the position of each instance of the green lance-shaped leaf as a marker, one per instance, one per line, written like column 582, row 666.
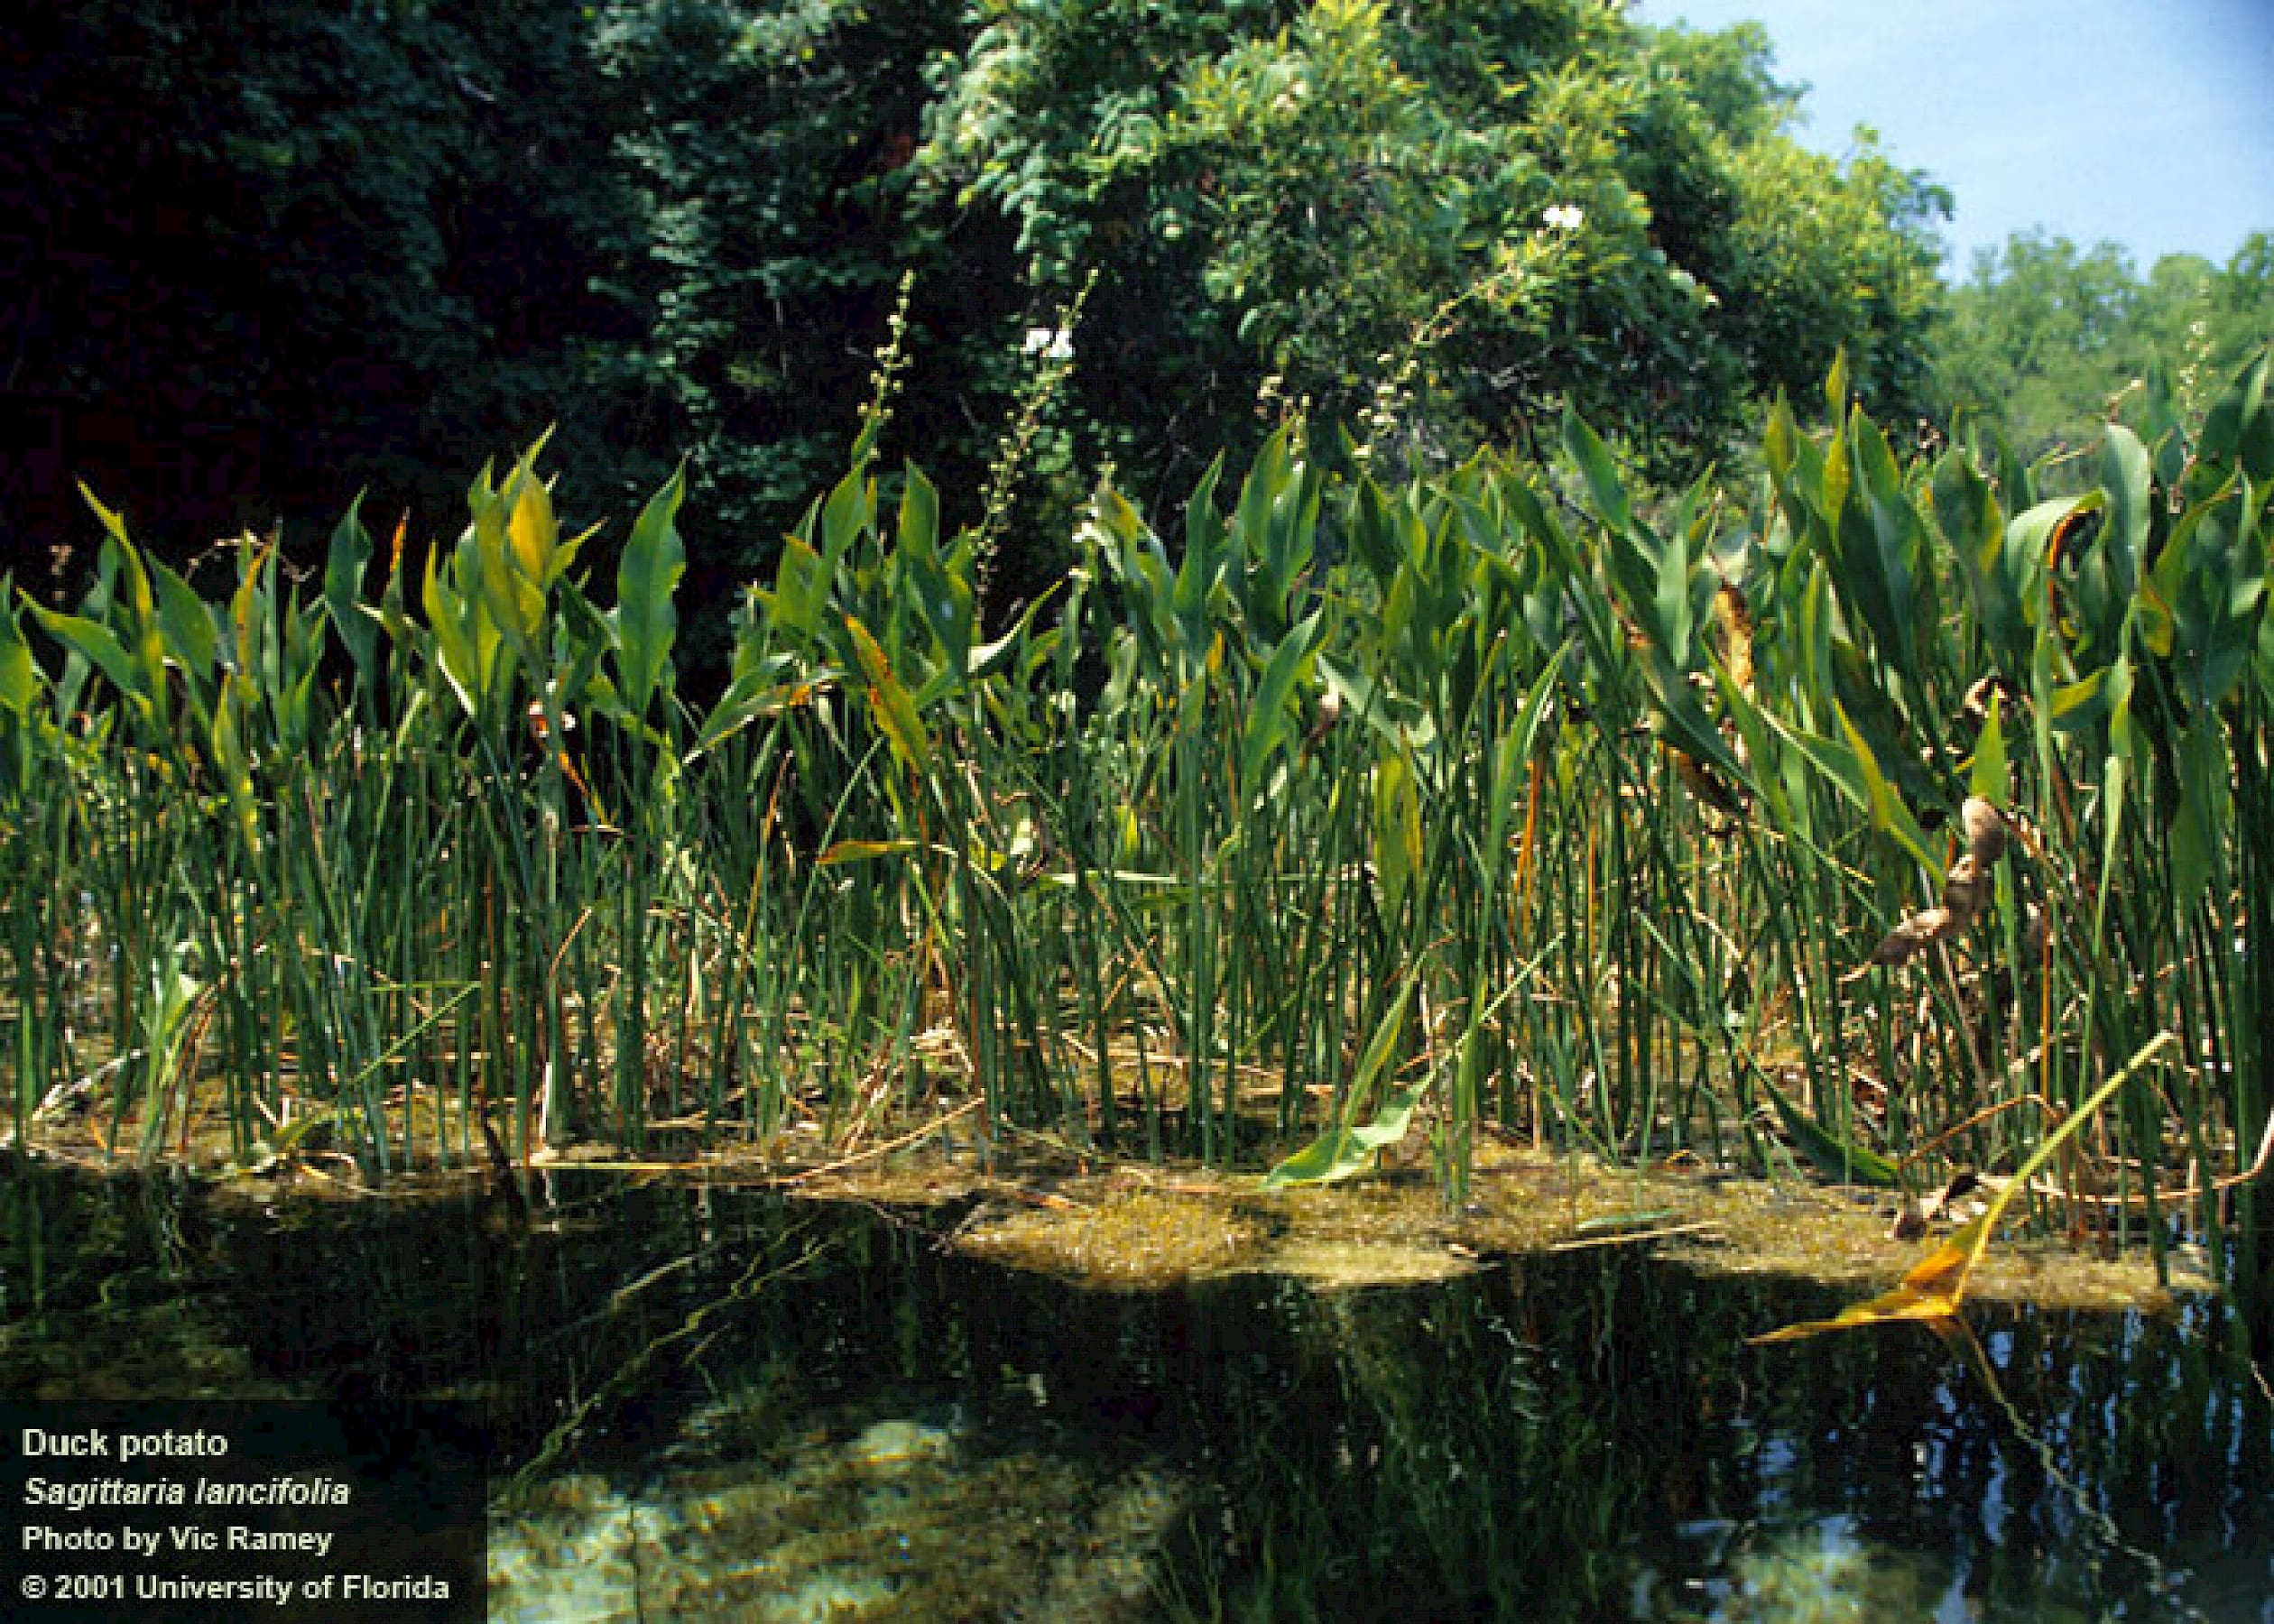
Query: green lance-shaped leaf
column 502, row 584
column 1268, row 722
column 2203, row 599
column 532, row 531
column 1392, row 1120
column 343, row 565
column 1850, row 766
column 1204, row 526
column 763, row 690
column 939, row 587
column 1834, row 1156
column 2206, row 814
column 1876, row 528
column 95, row 643
column 1267, row 476
column 1600, row 471
column 849, row 514
column 863, row 851
column 801, row 590
column 1189, row 630
column 645, row 622
column 1512, row 757
column 140, row 634
column 454, row 621
column 1972, row 524
column 1835, row 386
column 2024, row 554
column 1683, row 722
column 295, row 706
column 1889, row 814
column 2265, row 661
column 1683, row 594
column 1275, row 523
column 19, row 672
column 1987, row 778
column 185, row 625
column 1291, row 545
column 1371, row 526
column 2238, row 431
column 2106, row 572
column 1344, row 1149
column 250, row 622
column 518, row 554
column 230, row 758
column 1397, row 828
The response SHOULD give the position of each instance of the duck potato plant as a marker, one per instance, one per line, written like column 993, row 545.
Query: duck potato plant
column 1511, row 797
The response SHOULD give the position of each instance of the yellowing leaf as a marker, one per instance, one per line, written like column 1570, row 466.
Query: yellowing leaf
column 1901, row 1304
column 532, row 531
column 861, row 850
column 889, row 700
column 1936, row 1284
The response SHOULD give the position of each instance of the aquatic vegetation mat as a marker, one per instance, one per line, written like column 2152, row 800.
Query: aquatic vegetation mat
column 1146, row 1229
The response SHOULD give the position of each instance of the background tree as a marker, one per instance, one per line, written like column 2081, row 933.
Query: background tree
column 2044, row 336
column 262, row 256
column 764, row 145
column 259, row 256
column 1483, row 209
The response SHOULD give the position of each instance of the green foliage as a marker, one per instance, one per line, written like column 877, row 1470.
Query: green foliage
column 1437, row 230
column 263, row 255
column 355, row 240
column 765, row 145
column 1829, row 255
column 1521, row 794
column 2044, row 335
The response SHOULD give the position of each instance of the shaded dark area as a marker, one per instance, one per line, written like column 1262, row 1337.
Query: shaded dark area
column 261, row 257
column 1577, row 1437
column 255, row 259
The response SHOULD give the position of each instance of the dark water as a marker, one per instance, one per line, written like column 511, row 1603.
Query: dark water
column 816, row 1412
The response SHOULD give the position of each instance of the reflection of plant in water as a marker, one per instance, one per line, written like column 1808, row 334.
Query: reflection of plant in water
column 692, row 1334
column 1959, row 1337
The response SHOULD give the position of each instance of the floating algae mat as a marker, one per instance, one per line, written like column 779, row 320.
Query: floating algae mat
column 709, row 1401
column 1145, row 1229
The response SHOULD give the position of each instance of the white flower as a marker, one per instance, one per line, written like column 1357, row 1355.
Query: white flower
column 1565, row 217
column 1052, row 344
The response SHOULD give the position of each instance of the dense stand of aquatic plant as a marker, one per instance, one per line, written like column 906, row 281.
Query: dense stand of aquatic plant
column 1503, row 797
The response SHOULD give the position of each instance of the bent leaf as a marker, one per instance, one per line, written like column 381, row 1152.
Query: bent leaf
column 861, row 851
column 1344, row 1150
column 1931, row 1291
column 1834, row 1156
column 1936, row 1284
column 890, row 702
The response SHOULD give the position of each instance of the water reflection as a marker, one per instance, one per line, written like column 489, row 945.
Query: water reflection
column 713, row 1400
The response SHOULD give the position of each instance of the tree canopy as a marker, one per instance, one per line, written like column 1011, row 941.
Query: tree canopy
column 1470, row 213
column 263, row 257
column 2044, row 335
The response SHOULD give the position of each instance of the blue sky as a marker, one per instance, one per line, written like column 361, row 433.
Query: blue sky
column 2145, row 123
